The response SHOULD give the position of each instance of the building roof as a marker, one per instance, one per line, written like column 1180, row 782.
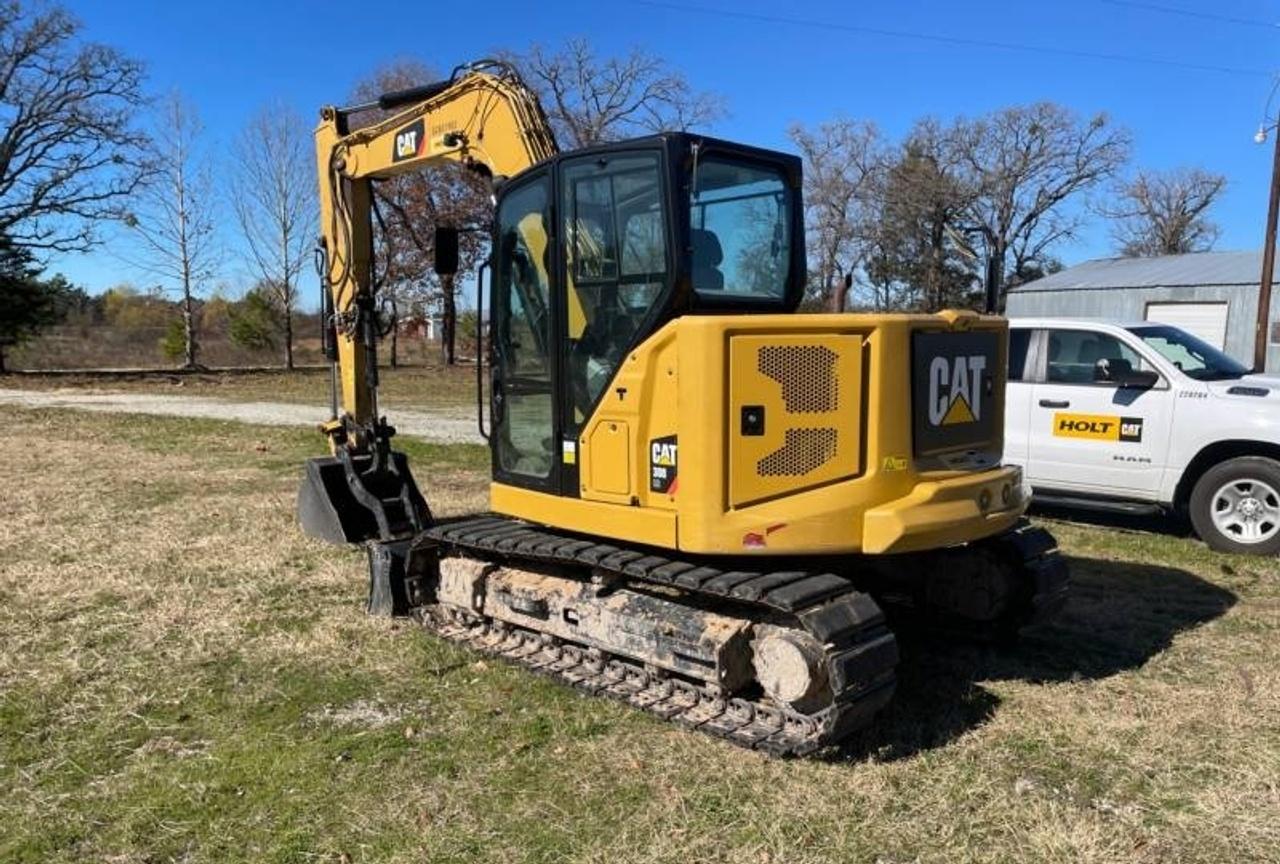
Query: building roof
column 1165, row 271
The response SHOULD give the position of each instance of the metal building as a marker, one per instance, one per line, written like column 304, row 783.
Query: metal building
column 1211, row 294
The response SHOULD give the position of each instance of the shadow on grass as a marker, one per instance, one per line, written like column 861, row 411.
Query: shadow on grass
column 1120, row 615
column 1168, row 524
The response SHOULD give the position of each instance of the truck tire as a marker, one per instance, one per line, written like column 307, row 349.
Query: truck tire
column 1235, row 506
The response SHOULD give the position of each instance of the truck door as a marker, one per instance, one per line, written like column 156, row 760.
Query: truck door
column 1094, row 436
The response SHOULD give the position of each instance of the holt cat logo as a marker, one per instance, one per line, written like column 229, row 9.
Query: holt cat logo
column 955, row 389
column 1097, row 427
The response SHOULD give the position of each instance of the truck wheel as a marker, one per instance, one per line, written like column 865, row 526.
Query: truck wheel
column 1235, row 506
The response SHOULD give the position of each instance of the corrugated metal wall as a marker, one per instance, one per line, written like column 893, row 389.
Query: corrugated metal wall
column 1129, row 304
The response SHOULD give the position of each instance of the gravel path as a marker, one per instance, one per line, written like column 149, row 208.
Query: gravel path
column 452, row 426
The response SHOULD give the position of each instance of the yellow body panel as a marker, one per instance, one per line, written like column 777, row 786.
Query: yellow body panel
column 644, row 396
column 813, row 381
column 634, row 524
column 690, row 382
column 609, row 444
column 945, row 512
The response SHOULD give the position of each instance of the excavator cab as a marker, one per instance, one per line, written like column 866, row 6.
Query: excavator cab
column 596, row 250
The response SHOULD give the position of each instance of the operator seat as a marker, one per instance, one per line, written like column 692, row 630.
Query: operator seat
column 707, row 257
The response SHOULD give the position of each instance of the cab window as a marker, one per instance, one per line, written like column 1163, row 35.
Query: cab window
column 615, row 250
column 740, row 219
column 1073, row 355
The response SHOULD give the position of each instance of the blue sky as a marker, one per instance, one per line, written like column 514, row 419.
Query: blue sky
column 774, row 63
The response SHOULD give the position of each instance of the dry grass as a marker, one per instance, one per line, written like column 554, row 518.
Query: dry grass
column 185, row 677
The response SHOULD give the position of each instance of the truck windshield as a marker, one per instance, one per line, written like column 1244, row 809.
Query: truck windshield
column 1196, row 359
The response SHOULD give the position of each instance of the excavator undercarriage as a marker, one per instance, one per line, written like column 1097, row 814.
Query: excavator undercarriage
column 785, row 660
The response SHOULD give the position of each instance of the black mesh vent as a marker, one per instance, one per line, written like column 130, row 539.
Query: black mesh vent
column 807, row 374
column 804, row 450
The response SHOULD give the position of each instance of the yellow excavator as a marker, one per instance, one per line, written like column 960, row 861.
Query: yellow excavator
column 701, row 501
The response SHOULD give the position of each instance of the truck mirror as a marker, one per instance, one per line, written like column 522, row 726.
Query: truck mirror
column 1118, row 371
column 446, row 248
column 1140, row 379
column 1109, row 369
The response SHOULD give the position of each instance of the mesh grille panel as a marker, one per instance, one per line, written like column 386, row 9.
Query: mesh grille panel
column 804, row 450
column 807, row 374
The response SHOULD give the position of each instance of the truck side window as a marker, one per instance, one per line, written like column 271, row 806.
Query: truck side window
column 1073, row 354
column 1019, row 343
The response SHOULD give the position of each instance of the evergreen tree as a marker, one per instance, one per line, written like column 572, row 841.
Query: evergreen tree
column 28, row 305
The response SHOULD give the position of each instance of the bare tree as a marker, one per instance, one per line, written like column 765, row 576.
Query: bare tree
column 175, row 218
column 69, row 154
column 842, row 159
column 409, row 206
column 591, row 100
column 273, row 196
column 1025, row 165
column 1165, row 212
column 918, row 259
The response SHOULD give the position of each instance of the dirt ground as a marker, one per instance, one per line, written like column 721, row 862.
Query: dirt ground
column 448, row 425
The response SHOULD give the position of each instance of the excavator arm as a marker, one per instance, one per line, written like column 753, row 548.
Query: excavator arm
column 483, row 118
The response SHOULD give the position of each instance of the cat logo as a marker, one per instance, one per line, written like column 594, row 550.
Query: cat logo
column 953, row 385
column 955, row 389
column 410, row 141
column 663, row 464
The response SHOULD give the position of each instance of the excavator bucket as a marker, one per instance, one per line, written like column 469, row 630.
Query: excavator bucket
column 352, row 499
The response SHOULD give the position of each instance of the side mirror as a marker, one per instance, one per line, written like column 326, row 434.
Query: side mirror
column 446, row 247
column 1118, row 371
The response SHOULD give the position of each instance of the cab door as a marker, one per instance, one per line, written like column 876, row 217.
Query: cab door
column 523, row 339
column 616, row 265
column 1091, row 436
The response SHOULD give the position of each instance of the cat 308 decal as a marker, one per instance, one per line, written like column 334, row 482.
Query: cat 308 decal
column 663, row 465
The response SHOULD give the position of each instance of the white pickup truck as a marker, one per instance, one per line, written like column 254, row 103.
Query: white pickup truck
column 1145, row 417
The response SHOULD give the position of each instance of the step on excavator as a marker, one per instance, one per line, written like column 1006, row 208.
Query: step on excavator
column 702, row 501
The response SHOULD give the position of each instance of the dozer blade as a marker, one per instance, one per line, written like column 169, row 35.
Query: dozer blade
column 349, row 499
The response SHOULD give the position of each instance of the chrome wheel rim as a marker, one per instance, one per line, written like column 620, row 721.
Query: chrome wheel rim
column 1246, row 510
